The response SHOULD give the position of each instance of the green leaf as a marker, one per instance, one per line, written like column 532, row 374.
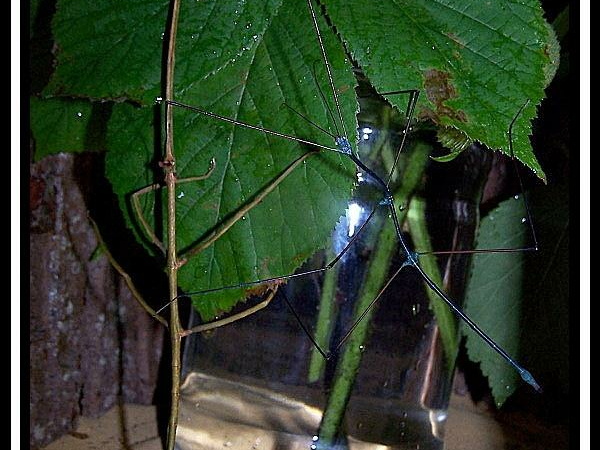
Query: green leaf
column 62, row 125
column 476, row 63
column 247, row 60
column 277, row 68
column 108, row 49
column 509, row 294
column 495, row 294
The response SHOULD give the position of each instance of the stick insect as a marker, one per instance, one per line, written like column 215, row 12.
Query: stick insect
column 342, row 158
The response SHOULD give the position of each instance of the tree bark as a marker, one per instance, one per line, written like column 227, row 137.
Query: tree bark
column 91, row 344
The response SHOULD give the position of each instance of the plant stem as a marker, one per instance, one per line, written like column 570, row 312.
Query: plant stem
column 172, row 260
column 376, row 272
column 350, row 360
column 325, row 321
column 444, row 317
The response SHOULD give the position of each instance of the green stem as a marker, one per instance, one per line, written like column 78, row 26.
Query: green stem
column 350, row 360
column 376, row 273
column 445, row 320
column 325, row 322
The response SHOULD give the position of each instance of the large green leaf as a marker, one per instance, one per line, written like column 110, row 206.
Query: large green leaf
column 509, row 294
column 108, row 48
column 60, row 125
column 277, row 66
column 495, row 293
column 475, row 62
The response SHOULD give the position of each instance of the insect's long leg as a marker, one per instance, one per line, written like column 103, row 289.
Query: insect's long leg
column 366, row 310
column 327, row 66
column 325, row 102
column 324, row 354
column 529, row 248
column 252, row 127
column 525, row 375
column 512, row 156
column 227, row 320
column 130, row 284
column 310, row 121
column 410, row 110
column 250, row 284
column 137, row 207
column 239, row 213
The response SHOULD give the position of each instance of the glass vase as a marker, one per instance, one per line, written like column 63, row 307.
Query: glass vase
column 261, row 383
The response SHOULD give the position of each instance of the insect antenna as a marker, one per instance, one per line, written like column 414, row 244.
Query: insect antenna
column 327, row 67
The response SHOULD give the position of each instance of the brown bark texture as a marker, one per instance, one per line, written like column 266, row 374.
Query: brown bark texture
column 91, row 345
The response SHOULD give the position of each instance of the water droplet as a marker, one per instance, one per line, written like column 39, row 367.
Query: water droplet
column 79, row 114
column 158, row 100
column 404, row 415
column 517, row 197
column 361, row 348
column 315, row 438
column 313, row 447
column 181, row 195
column 433, row 47
column 523, row 220
column 243, row 217
column 162, row 36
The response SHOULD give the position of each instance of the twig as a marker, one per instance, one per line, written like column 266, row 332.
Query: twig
column 172, row 262
column 125, row 275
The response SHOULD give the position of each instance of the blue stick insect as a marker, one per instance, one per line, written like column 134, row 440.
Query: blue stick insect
column 343, row 147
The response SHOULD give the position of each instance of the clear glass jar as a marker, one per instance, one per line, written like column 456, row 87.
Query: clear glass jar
column 260, row 383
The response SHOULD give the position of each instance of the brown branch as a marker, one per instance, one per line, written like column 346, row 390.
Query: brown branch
column 172, row 262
